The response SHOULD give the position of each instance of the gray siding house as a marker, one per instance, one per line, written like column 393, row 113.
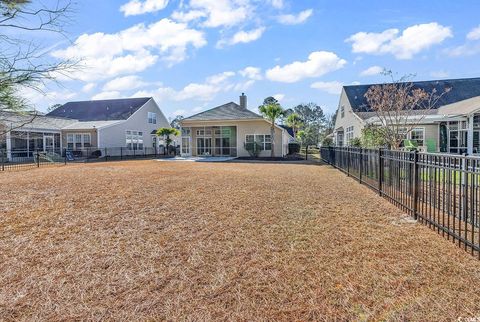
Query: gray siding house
column 129, row 124
column 452, row 126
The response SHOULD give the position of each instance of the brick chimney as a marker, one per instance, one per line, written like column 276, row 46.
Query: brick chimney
column 243, row 101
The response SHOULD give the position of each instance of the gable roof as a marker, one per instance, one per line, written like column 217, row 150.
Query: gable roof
column 461, row 89
column 100, row 110
column 229, row 111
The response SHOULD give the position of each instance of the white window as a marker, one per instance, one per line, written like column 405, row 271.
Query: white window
column 349, row 134
column 263, row 140
column 79, row 141
column 70, row 141
column 418, row 135
column 134, row 140
column 207, row 132
column 342, row 111
column 152, row 118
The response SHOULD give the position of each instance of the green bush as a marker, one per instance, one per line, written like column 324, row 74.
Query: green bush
column 328, row 141
column 356, row 142
column 293, row 148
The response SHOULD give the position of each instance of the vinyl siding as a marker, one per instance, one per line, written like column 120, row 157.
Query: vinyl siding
column 350, row 119
column 244, row 128
column 114, row 136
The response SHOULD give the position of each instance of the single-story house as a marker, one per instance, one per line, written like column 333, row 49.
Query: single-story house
column 226, row 129
column 452, row 126
column 129, row 123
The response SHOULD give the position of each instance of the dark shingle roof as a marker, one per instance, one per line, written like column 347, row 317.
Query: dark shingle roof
column 100, row 110
column 461, row 89
column 229, row 111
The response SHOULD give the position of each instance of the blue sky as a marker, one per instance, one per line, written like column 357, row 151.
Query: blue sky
column 192, row 55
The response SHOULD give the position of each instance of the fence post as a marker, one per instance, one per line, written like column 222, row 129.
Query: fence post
column 121, row 153
column 380, row 170
column 416, row 184
column 3, row 161
column 348, row 161
column 361, row 165
column 65, row 155
column 38, row 159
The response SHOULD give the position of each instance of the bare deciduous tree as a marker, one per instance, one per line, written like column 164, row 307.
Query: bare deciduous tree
column 24, row 63
column 400, row 106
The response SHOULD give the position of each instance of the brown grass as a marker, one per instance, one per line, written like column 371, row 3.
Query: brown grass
column 236, row 241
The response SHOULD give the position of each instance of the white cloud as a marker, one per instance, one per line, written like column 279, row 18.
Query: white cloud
column 217, row 13
column 319, row 63
column 474, row 34
column 179, row 112
column 279, row 97
column 277, row 4
column 291, row 19
column 252, row 73
column 204, row 92
column 137, row 7
column 124, row 83
column 334, row 87
column 88, row 87
column 188, row 16
column 131, row 50
column 243, row 37
column 106, row 95
column 439, row 74
column 372, row 71
column 411, row 41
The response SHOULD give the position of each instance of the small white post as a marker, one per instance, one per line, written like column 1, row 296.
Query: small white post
column 9, row 146
column 470, row 135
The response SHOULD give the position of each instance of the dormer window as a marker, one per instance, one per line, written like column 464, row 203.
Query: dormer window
column 152, row 118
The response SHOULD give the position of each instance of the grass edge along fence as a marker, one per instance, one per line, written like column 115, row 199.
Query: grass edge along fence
column 24, row 159
column 441, row 191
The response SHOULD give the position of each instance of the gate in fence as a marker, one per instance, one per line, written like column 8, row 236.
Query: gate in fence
column 440, row 190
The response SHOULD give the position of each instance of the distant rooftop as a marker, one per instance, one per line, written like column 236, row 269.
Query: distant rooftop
column 100, row 110
column 461, row 89
column 34, row 121
column 229, row 111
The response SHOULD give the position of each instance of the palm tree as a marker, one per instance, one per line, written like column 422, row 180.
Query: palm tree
column 166, row 132
column 272, row 112
column 295, row 122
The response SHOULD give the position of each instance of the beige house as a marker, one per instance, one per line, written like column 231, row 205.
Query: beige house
column 453, row 126
column 227, row 130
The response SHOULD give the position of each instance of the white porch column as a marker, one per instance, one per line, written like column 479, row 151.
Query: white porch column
column 181, row 140
column 9, row 145
column 470, row 135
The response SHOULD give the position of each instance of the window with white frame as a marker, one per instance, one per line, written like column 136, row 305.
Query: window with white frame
column 418, row 135
column 263, row 140
column 78, row 141
column 342, row 111
column 349, row 134
column 152, row 118
column 204, row 132
column 134, row 140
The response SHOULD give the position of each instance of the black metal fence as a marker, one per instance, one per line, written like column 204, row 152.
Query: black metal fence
column 25, row 159
column 440, row 190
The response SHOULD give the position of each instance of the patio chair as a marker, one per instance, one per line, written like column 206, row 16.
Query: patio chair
column 410, row 145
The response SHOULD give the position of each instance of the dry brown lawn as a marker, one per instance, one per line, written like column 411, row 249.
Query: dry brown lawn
column 148, row 240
